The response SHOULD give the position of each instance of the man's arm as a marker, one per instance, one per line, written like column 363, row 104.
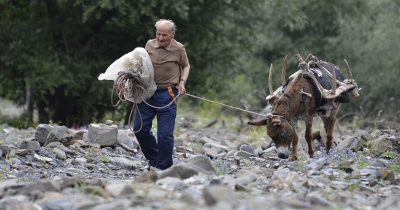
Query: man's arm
column 184, row 77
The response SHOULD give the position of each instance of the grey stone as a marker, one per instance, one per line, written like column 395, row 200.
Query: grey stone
column 105, row 135
column 78, row 135
column 265, row 145
column 218, row 146
column 345, row 144
column 21, row 152
column 211, row 152
column 180, row 170
column 201, row 164
column 59, row 153
column 113, row 204
column 172, row 183
column 45, row 186
column 65, row 149
column 382, row 144
column 31, row 146
column 58, row 204
column 245, row 147
column 243, row 154
column 42, row 131
column 123, row 138
column 220, row 194
column 318, row 164
column 118, row 189
column 59, row 134
column 121, row 161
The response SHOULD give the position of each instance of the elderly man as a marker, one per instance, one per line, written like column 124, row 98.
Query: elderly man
column 171, row 70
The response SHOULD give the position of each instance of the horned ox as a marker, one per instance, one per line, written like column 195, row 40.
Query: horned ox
column 298, row 101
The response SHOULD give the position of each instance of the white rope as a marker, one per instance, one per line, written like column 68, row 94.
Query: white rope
column 225, row 105
column 204, row 100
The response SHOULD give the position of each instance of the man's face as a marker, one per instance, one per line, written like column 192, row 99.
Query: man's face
column 164, row 34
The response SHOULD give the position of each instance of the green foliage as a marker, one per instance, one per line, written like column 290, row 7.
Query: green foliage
column 43, row 163
column 18, row 123
column 389, row 155
column 88, row 157
column 53, row 51
column 353, row 187
column 81, row 187
column 300, row 163
column 362, row 163
column 3, row 172
column 254, row 134
column 105, row 159
column 395, row 167
column 377, row 119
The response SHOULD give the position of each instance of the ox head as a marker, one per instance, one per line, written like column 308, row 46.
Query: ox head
column 280, row 131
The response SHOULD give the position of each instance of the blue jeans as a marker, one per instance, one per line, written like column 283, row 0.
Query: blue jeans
column 157, row 152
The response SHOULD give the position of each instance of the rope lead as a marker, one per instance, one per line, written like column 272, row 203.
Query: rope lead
column 128, row 82
column 225, row 105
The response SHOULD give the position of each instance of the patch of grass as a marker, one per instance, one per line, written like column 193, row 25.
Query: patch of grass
column 197, row 148
column 377, row 119
column 395, row 167
column 19, row 122
column 353, row 187
column 300, row 163
column 105, row 159
column 367, row 147
column 43, row 163
column 3, row 172
column 362, row 163
column 254, row 134
column 81, row 187
column 389, row 155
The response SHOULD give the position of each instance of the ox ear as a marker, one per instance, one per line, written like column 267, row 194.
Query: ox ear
column 258, row 122
column 276, row 122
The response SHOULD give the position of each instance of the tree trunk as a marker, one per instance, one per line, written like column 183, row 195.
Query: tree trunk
column 62, row 108
column 43, row 115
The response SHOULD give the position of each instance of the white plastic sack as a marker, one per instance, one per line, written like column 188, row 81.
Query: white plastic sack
column 137, row 59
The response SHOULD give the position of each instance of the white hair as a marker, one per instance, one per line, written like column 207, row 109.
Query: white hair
column 171, row 23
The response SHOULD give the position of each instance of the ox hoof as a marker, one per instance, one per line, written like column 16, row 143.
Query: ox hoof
column 283, row 156
column 293, row 158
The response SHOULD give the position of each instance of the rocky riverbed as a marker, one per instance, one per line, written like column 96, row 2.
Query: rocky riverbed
column 101, row 167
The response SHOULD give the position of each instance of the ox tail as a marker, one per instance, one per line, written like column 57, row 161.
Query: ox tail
column 258, row 122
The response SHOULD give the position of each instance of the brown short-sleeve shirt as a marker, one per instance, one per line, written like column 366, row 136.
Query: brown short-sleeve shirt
column 167, row 62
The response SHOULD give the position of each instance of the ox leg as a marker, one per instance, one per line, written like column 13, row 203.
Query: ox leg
column 309, row 135
column 295, row 139
column 330, row 125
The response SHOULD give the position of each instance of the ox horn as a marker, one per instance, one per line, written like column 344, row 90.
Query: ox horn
column 333, row 92
column 299, row 58
column 309, row 56
column 271, row 90
column 353, row 92
column 348, row 69
column 283, row 75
